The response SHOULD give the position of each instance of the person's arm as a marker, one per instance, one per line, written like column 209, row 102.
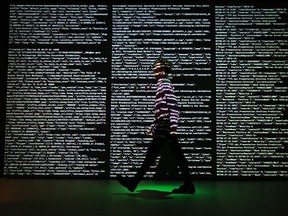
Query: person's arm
column 171, row 103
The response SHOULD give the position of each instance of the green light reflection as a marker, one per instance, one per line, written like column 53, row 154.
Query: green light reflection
column 155, row 189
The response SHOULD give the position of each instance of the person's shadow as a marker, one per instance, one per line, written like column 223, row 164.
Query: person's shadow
column 152, row 194
column 149, row 194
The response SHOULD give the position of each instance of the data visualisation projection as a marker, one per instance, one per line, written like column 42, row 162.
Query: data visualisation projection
column 81, row 89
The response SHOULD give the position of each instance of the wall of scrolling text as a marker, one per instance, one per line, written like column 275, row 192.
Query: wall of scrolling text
column 80, row 88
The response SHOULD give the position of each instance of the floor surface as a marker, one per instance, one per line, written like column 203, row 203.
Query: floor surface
column 53, row 197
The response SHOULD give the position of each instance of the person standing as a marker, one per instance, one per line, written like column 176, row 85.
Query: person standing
column 163, row 130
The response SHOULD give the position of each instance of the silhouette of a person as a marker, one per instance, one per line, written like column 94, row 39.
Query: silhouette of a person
column 163, row 130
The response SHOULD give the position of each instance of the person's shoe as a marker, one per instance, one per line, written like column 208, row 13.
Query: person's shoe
column 128, row 183
column 185, row 189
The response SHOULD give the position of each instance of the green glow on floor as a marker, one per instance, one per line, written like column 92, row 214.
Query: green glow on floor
column 158, row 186
column 162, row 189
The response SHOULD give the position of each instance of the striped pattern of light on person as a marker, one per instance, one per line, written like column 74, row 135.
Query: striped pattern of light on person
column 166, row 103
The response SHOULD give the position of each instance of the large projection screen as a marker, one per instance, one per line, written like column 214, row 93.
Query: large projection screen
column 80, row 88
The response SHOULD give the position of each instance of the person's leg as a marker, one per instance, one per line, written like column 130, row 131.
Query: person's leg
column 151, row 155
column 188, row 186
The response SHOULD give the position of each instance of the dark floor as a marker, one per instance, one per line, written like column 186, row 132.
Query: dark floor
column 63, row 197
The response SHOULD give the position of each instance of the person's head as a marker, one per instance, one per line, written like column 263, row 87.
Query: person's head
column 161, row 68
